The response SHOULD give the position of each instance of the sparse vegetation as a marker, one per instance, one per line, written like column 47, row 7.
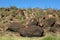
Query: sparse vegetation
column 37, row 22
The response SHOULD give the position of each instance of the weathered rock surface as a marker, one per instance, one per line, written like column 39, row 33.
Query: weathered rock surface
column 29, row 22
column 30, row 31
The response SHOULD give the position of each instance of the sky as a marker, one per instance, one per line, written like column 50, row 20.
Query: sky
column 55, row 4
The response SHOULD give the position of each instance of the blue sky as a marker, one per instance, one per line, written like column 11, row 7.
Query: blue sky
column 31, row 3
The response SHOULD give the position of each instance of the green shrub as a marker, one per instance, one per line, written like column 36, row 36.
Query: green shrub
column 49, row 38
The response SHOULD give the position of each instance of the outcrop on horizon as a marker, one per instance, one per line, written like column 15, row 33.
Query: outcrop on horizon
column 30, row 22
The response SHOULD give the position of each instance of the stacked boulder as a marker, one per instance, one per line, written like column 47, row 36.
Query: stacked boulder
column 35, row 26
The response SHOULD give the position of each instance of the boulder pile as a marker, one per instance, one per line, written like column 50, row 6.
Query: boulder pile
column 31, row 25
